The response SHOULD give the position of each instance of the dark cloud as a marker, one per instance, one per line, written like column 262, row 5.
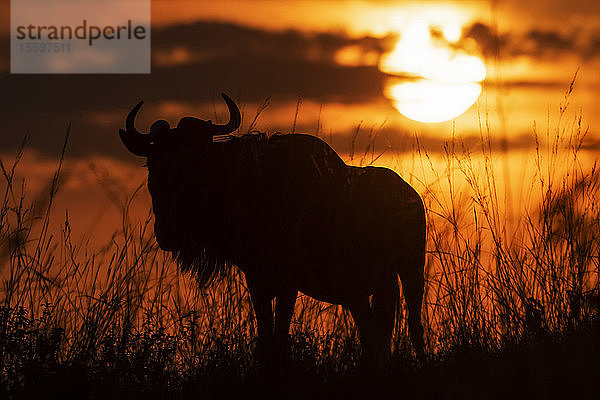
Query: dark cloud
column 220, row 40
column 489, row 41
column 593, row 48
column 538, row 43
column 248, row 63
column 43, row 104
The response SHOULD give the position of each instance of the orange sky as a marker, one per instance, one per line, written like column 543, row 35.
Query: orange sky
column 541, row 45
column 328, row 53
column 369, row 16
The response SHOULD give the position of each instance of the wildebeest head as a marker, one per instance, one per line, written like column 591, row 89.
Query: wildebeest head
column 189, row 131
column 178, row 161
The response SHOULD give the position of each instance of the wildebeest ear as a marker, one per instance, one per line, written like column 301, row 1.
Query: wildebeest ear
column 159, row 130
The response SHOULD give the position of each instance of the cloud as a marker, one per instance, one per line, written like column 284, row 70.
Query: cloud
column 204, row 41
column 199, row 61
column 537, row 43
column 202, row 59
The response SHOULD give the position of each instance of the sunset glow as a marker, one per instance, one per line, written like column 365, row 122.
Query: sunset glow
column 446, row 80
column 300, row 199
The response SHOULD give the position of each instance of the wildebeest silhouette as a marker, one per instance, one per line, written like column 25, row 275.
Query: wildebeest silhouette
column 293, row 217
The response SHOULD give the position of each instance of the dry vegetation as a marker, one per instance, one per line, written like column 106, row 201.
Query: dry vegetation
column 509, row 306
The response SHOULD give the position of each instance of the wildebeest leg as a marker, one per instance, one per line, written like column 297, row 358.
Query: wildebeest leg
column 384, row 305
column 284, row 310
column 261, row 302
column 412, row 288
column 363, row 319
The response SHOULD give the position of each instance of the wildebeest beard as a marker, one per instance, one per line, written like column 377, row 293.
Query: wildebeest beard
column 197, row 232
column 238, row 202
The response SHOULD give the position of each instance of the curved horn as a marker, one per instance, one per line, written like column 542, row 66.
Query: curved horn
column 136, row 142
column 235, row 119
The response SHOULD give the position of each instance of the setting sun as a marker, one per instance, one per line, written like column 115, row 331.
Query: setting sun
column 444, row 82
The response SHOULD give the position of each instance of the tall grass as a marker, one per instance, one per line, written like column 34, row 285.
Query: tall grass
column 500, row 278
column 495, row 278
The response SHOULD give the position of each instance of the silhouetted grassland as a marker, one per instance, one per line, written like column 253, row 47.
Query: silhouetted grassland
column 511, row 300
